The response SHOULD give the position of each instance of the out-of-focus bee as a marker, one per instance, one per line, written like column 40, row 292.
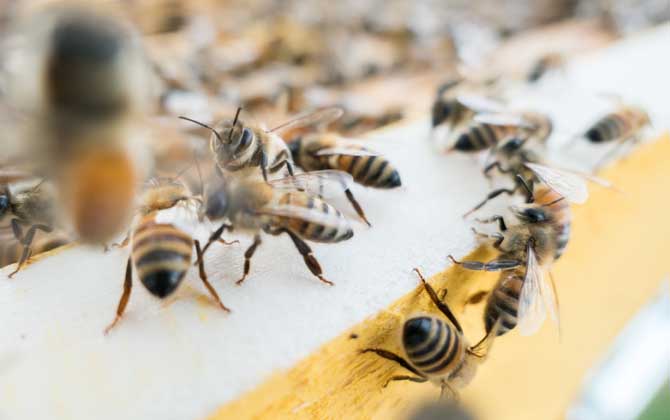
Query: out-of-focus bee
column 27, row 203
column 623, row 125
column 489, row 129
column 286, row 205
column 84, row 85
column 527, row 170
column 544, row 65
column 522, row 296
column 161, row 249
column 437, row 351
column 457, row 101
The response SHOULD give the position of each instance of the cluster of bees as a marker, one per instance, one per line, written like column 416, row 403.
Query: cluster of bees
column 92, row 180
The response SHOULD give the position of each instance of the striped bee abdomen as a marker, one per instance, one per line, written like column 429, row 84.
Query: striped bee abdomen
column 610, row 127
column 337, row 230
column 371, row 171
column 478, row 137
column 503, row 302
column 434, row 347
column 161, row 255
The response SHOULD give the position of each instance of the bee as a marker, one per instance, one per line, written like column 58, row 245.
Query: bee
column 623, row 125
column 437, row 351
column 490, row 128
column 287, row 205
column 323, row 151
column 527, row 169
column 161, row 248
column 544, row 65
column 522, row 296
column 86, row 91
column 27, row 203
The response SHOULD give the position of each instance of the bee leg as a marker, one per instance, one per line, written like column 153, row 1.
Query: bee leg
column 392, row 357
column 442, row 306
column 125, row 296
column 499, row 238
column 248, row 254
column 203, row 276
column 356, row 206
column 493, row 194
column 26, row 241
column 216, row 235
column 264, row 163
column 495, row 165
column 497, row 218
column 446, row 390
column 495, row 265
column 404, row 378
column 285, row 161
column 309, row 258
column 123, row 243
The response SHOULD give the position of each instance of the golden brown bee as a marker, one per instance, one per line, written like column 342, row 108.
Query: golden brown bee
column 86, row 90
column 489, row 129
column 436, row 350
column 522, row 296
column 287, row 205
column 161, row 249
column 27, row 203
column 544, row 65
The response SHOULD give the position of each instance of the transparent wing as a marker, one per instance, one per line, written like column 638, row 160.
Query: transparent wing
column 503, row 119
column 346, row 151
column 328, row 183
column 313, row 215
column 481, row 103
column 319, row 117
column 570, row 185
column 532, row 311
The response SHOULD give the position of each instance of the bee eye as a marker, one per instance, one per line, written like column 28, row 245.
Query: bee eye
column 535, row 215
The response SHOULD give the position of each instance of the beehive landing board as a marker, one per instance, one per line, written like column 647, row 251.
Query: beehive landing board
column 185, row 359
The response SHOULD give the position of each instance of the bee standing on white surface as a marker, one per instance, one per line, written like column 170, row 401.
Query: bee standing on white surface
column 437, row 351
column 287, row 205
column 83, row 85
column 161, row 251
column 522, row 296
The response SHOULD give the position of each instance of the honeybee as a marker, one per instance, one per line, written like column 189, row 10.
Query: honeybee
column 323, row 151
column 27, row 203
column 522, row 295
column 161, row 248
column 623, row 125
column 437, row 351
column 527, row 169
column 84, row 84
column 491, row 128
column 287, row 205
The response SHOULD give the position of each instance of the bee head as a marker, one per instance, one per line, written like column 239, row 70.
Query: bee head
column 532, row 214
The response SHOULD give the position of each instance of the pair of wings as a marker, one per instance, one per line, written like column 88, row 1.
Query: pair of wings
column 323, row 184
column 569, row 184
column 536, row 299
column 492, row 112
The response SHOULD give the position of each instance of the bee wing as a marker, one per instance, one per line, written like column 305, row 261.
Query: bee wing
column 322, row 116
column 326, row 183
column 480, row 103
column 503, row 119
column 532, row 310
column 346, row 151
column 313, row 215
column 570, row 185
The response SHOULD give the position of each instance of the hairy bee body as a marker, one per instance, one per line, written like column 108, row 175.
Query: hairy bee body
column 622, row 124
column 310, row 230
column 161, row 255
column 434, row 347
column 366, row 168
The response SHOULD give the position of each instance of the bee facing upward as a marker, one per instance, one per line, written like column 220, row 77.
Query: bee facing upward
column 285, row 205
column 437, row 351
column 522, row 296
column 87, row 92
column 161, row 251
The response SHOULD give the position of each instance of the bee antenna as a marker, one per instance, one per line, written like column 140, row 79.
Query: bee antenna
column 204, row 126
column 529, row 191
column 553, row 202
column 237, row 114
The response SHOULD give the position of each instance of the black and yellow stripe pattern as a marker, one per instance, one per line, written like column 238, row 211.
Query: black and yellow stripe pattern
column 434, row 347
column 479, row 136
column 617, row 125
column 339, row 230
column 503, row 301
column 161, row 254
column 371, row 171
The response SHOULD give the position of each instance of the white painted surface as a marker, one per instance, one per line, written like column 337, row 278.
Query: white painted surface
column 181, row 361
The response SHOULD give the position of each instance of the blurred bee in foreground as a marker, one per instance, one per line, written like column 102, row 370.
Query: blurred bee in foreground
column 544, row 65
column 86, row 88
column 522, row 295
column 161, row 247
column 623, row 125
column 437, row 351
column 527, row 170
column 286, row 205
column 26, row 203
